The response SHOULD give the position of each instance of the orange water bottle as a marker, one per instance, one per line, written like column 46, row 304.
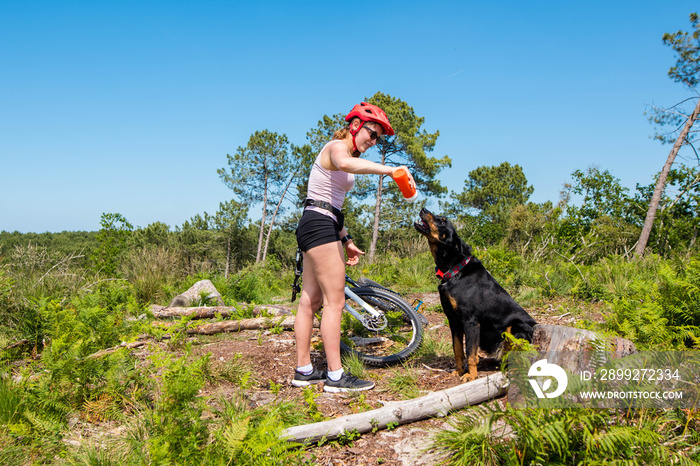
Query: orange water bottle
column 406, row 185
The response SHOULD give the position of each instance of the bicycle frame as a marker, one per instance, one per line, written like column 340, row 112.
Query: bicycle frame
column 387, row 339
column 376, row 320
column 376, row 315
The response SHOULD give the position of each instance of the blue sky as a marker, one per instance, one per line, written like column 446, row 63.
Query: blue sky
column 132, row 106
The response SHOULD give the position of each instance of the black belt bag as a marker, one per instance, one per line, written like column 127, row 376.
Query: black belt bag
column 329, row 207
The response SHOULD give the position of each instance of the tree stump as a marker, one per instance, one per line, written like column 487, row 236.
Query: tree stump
column 571, row 348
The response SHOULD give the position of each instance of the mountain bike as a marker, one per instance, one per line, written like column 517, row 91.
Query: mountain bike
column 378, row 325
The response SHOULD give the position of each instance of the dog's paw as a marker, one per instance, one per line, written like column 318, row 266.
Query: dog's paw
column 456, row 373
column 467, row 377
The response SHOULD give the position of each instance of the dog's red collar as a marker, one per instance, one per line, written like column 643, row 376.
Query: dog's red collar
column 447, row 275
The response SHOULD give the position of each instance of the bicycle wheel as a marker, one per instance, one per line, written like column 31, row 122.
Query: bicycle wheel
column 367, row 283
column 392, row 341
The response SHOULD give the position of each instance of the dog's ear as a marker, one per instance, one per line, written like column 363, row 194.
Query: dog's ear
column 464, row 248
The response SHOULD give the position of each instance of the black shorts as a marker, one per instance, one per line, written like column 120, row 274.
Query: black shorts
column 316, row 229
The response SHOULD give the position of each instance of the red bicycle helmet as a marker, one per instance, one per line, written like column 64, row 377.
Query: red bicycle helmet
column 369, row 112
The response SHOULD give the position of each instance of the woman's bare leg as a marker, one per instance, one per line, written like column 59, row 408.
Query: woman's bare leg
column 310, row 301
column 323, row 281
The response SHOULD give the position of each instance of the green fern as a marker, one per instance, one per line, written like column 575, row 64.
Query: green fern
column 257, row 441
column 663, row 314
column 492, row 435
column 233, row 437
column 474, row 438
column 44, row 425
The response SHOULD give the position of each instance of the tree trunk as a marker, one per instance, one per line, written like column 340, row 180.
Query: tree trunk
column 262, row 225
column 17, row 344
column 132, row 345
column 377, row 216
column 661, row 184
column 274, row 215
column 228, row 254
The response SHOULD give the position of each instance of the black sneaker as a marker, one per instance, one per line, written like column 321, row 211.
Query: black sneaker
column 301, row 380
column 347, row 383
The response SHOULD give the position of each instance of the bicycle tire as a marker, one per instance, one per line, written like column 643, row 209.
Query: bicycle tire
column 401, row 338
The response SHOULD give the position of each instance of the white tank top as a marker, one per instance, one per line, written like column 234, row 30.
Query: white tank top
column 328, row 185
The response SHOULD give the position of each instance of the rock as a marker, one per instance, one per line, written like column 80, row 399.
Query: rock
column 195, row 294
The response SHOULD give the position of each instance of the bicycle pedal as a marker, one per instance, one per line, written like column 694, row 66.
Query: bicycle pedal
column 417, row 306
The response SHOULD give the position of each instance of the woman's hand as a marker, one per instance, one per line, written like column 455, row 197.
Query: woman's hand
column 353, row 253
column 411, row 181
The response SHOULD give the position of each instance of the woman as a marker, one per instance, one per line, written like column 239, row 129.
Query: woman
column 321, row 236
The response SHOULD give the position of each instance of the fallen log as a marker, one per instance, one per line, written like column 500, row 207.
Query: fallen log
column 200, row 312
column 132, row 345
column 16, row 345
column 436, row 404
column 210, row 312
column 258, row 323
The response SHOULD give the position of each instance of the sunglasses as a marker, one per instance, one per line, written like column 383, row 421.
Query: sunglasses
column 373, row 135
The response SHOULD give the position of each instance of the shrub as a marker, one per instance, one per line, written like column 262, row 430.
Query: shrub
column 405, row 274
column 149, row 270
column 663, row 312
column 258, row 283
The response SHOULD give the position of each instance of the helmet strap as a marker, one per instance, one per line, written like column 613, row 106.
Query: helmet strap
column 354, row 133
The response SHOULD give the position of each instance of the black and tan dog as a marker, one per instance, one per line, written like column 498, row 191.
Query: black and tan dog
column 478, row 309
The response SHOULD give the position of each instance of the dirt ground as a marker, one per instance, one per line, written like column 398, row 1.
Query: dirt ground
column 272, row 359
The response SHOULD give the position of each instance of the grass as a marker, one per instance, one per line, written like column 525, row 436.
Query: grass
column 403, row 381
column 433, row 347
column 353, row 365
column 234, row 370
